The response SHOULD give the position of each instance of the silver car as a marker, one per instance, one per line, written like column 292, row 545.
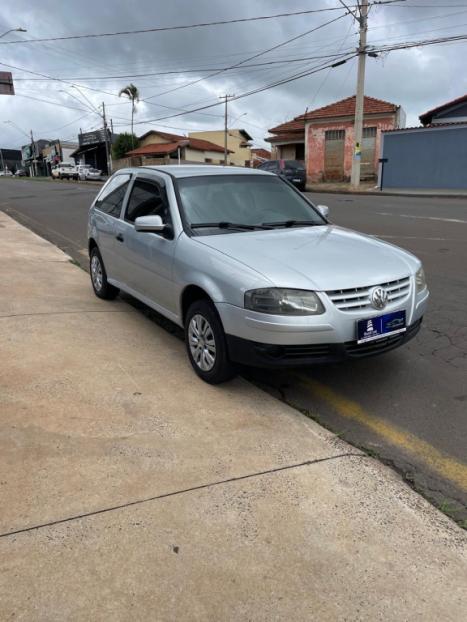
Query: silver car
column 250, row 268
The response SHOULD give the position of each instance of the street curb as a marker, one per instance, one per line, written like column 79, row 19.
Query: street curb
column 387, row 194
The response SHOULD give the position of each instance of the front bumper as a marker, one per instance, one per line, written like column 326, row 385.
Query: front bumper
column 257, row 354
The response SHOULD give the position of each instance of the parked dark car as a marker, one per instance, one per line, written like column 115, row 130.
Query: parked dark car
column 22, row 172
column 292, row 170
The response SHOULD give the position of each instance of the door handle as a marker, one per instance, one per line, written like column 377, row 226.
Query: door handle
column 119, row 237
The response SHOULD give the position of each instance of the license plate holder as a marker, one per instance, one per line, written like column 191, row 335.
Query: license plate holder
column 381, row 326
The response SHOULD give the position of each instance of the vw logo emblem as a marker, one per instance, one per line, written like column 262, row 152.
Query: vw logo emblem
column 379, row 297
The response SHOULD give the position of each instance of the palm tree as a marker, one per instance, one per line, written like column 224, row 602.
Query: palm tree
column 131, row 91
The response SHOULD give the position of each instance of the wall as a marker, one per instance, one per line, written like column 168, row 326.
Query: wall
column 194, row 155
column 429, row 158
column 125, row 163
column 286, row 152
column 66, row 154
column 239, row 155
column 315, row 135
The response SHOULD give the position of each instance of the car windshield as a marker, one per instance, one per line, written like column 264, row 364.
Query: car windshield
column 251, row 200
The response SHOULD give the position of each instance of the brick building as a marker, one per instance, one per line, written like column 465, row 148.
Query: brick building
column 324, row 138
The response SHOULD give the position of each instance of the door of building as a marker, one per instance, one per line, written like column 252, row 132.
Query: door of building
column 367, row 167
column 334, row 155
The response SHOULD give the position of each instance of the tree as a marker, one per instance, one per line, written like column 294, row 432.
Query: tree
column 131, row 91
column 125, row 142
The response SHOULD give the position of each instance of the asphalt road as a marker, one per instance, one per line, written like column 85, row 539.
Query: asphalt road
column 409, row 407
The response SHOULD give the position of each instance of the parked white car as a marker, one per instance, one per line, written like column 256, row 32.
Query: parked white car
column 65, row 170
column 6, row 173
column 251, row 268
column 86, row 171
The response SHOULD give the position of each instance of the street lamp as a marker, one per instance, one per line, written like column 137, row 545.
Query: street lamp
column 13, row 30
column 78, row 100
column 237, row 118
column 17, row 127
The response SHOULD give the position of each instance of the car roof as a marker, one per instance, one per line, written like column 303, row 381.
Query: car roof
column 200, row 170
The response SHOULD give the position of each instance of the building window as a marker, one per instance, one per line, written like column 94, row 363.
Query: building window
column 369, row 132
column 334, row 134
column 208, row 160
column 300, row 152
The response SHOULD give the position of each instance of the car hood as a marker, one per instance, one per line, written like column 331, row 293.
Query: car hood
column 320, row 258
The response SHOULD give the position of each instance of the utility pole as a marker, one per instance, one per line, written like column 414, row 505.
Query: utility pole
column 107, row 149
column 359, row 97
column 226, row 99
column 33, row 145
column 1, row 157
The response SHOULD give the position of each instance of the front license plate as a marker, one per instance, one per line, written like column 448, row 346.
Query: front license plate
column 381, row 326
column 297, row 180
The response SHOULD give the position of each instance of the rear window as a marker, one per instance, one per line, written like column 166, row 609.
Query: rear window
column 294, row 165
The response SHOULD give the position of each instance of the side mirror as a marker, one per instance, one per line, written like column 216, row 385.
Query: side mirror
column 323, row 210
column 152, row 224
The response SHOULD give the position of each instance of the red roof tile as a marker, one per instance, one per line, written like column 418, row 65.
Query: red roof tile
column 290, row 136
column 426, row 117
column 261, row 153
column 205, row 145
column 342, row 108
column 154, row 149
column 164, row 148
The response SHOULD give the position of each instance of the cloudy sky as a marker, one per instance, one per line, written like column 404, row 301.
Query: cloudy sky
column 417, row 79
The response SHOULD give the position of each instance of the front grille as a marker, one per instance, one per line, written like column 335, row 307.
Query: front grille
column 357, row 298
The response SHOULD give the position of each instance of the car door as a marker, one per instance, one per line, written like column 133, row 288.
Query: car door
column 106, row 211
column 145, row 258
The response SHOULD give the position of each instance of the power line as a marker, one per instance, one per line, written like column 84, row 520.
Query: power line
column 420, row 6
column 312, row 71
column 253, row 92
column 44, row 75
column 167, row 28
column 414, row 44
column 246, row 60
column 46, row 101
column 184, row 71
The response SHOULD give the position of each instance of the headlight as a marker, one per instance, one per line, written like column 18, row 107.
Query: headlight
column 420, row 280
column 277, row 301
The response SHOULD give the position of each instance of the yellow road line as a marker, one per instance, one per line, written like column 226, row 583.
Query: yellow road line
column 447, row 467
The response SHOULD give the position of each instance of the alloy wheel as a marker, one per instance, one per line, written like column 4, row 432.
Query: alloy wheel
column 96, row 273
column 202, row 342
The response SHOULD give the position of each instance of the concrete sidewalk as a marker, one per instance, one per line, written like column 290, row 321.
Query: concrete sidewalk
column 371, row 188
column 130, row 490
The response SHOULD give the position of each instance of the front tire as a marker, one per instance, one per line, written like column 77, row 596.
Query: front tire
column 206, row 345
column 102, row 288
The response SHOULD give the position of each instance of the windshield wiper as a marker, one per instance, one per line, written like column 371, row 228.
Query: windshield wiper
column 293, row 223
column 227, row 225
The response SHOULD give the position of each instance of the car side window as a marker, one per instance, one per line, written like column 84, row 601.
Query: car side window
column 111, row 199
column 147, row 198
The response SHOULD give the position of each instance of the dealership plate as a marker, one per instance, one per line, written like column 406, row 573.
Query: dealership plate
column 381, row 326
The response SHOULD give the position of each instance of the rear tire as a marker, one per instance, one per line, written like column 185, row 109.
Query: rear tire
column 206, row 344
column 102, row 288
